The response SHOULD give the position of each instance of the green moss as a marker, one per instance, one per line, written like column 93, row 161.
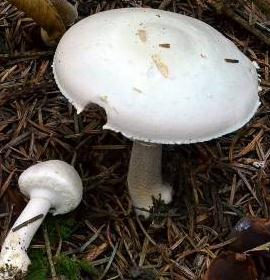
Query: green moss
column 88, row 268
column 66, row 266
column 60, row 226
column 39, row 267
column 72, row 268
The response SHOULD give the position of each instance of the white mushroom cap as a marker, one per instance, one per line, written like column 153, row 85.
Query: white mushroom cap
column 161, row 77
column 56, row 180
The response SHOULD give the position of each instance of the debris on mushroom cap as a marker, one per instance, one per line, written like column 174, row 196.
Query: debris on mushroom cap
column 167, row 78
column 60, row 178
column 250, row 232
column 231, row 266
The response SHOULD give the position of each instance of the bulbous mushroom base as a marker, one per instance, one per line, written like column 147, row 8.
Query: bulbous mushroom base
column 14, row 261
column 11, row 273
column 14, row 265
column 142, row 198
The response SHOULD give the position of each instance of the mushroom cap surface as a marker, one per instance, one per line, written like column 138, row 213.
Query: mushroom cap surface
column 54, row 180
column 161, row 77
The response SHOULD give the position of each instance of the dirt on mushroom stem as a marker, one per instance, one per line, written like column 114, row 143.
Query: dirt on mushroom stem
column 216, row 183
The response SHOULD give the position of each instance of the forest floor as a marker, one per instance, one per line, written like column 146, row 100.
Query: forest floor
column 216, row 183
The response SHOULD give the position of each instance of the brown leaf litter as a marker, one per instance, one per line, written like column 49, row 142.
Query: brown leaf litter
column 216, row 183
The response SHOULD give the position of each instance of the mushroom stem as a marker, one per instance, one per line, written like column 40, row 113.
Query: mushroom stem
column 144, row 177
column 13, row 254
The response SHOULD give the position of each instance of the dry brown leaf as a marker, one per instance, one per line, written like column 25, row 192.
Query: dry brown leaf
column 93, row 253
column 231, row 266
column 249, row 233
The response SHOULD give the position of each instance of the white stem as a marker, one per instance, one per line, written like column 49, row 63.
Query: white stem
column 34, row 208
column 144, row 176
column 13, row 256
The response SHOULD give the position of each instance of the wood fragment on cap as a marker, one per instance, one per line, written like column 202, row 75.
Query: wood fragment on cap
column 165, row 45
column 142, row 35
column 161, row 66
column 231, row 60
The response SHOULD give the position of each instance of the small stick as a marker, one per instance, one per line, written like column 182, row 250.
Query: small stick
column 49, row 252
column 221, row 8
column 144, row 231
column 248, row 27
column 26, row 223
column 230, row 60
column 27, row 55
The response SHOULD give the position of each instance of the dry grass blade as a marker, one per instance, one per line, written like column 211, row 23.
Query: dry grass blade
column 4, row 187
column 109, row 262
column 49, row 252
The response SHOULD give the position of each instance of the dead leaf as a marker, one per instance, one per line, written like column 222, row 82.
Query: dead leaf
column 231, row 266
column 249, row 233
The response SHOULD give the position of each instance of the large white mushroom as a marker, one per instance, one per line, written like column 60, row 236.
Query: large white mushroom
column 53, row 186
column 162, row 78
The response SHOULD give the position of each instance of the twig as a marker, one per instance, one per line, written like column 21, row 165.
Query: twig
column 245, row 25
column 109, row 263
column 49, row 252
column 27, row 55
column 4, row 187
column 144, row 231
column 26, row 223
column 221, row 8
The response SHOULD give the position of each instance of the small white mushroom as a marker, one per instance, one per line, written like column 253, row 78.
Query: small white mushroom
column 162, row 78
column 53, row 186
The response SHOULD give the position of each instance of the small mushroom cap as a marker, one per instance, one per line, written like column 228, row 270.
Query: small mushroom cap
column 161, row 77
column 54, row 180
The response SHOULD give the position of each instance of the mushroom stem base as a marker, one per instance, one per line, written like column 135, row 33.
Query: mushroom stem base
column 19, row 265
